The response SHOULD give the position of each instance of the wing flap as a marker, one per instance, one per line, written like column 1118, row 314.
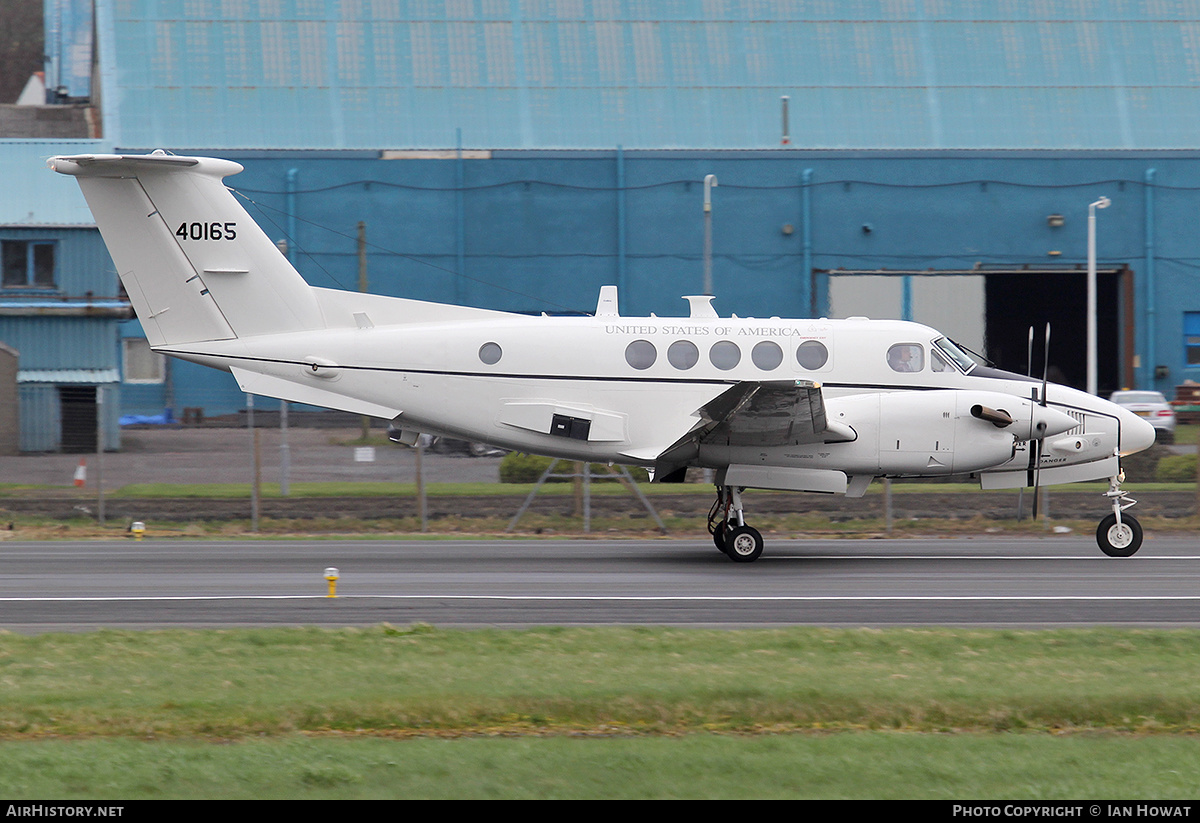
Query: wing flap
column 774, row 413
column 757, row 413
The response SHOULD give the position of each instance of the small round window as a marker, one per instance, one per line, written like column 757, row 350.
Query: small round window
column 641, row 354
column 683, row 354
column 725, row 355
column 767, row 355
column 812, row 354
column 490, row 353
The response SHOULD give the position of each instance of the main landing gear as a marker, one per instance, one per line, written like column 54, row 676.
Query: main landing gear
column 1119, row 535
column 731, row 535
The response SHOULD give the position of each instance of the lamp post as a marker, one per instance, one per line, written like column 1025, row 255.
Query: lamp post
column 1102, row 203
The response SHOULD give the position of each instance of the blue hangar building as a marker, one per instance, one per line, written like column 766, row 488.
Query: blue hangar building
column 931, row 160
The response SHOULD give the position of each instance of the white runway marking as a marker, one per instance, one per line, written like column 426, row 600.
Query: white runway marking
column 606, row 597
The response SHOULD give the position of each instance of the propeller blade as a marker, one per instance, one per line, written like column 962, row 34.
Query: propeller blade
column 1037, row 476
column 1029, row 354
column 1037, row 460
column 1046, row 364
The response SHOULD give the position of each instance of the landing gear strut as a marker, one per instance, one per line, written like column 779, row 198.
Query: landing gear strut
column 1119, row 535
column 731, row 535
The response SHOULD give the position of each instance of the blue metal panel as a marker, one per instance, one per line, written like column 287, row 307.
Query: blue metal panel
column 69, row 28
column 41, row 419
column 61, row 342
column 81, row 262
column 46, row 198
column 642, row 74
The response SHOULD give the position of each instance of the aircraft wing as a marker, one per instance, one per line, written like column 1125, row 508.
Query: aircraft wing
column 757, row 413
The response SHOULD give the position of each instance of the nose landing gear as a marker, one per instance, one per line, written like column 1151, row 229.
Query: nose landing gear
column 1119, row 535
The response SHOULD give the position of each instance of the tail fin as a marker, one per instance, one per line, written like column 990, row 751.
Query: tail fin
column 194, row 264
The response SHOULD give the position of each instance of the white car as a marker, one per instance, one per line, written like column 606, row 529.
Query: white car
column 1152, row 406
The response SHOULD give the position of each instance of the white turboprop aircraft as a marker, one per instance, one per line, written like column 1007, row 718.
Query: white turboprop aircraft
column 803, row 405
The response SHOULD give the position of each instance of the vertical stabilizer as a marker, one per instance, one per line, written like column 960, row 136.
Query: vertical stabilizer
column 194, row 264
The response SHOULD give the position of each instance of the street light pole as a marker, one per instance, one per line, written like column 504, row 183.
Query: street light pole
column 1102, row 203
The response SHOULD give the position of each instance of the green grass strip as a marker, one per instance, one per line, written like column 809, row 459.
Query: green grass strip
column 419, row 712
column 419, row 680
column 882, row 765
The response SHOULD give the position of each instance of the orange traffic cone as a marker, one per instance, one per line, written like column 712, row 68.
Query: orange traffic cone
column 81, row 472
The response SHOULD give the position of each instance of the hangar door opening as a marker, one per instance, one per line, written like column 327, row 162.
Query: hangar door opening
column 79, row 414
column 991, row 310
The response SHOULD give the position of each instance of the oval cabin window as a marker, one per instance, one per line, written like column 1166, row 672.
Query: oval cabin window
column 490, row 353
column 725, row 355
column 641, row 354
column 683, row 354
column 767, row 355
column 812, row 354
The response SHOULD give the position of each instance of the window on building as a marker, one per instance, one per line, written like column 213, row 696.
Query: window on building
column 28, row 264
column 142, row 365
column 1191, row 337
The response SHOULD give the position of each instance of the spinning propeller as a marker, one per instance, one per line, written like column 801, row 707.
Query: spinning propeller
column 1038, row 431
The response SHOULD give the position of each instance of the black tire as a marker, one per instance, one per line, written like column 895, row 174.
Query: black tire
column 743, row 544
column 719, row 534
column 1119, row 541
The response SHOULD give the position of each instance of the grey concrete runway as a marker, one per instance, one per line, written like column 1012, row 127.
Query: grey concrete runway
column 982, row 581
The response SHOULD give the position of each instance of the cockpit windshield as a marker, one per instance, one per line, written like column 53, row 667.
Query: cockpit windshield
column 956, row 353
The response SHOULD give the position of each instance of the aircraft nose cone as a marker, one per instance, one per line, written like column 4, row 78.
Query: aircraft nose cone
column 1136, row 434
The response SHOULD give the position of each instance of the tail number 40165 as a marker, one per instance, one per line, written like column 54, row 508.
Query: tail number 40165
column 206, row 231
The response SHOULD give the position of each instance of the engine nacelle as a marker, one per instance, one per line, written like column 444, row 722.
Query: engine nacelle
column 944, row 432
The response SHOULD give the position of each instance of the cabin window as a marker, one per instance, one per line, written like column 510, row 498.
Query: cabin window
column 641, row 354
column 906, row 357
column 27, row 264
column 767, row 355
column 812, row 354
column 683, row 354
column 490, row 353
column 725, row 354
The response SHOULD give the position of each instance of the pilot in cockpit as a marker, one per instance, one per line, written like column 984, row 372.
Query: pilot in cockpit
column 906, row 357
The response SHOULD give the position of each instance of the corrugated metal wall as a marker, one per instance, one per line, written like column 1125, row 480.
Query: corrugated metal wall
column 61, row 342
column 651, row 74
column 41, row 415
column 534, row 231
column 82, row 264
column 41, row 421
